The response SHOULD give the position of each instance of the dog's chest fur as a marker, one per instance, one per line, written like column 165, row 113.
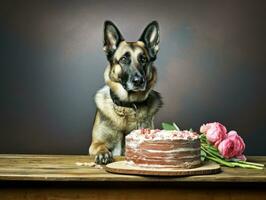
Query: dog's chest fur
column 126, row 119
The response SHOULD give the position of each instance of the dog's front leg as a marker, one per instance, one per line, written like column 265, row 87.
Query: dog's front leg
column 101, row 141
column 148, row 123
column 101, row 153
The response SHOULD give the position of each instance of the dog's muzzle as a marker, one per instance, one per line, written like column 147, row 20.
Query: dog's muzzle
column 136, row 83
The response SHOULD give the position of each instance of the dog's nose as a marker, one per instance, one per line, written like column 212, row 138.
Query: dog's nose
column 138, row 80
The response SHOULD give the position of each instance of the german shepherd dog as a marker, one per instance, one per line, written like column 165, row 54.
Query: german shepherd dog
column 127, row 101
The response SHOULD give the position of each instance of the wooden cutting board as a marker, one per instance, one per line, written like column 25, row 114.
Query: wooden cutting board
column 121, row 167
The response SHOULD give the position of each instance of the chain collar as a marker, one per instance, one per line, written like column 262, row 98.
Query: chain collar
column 127, row 108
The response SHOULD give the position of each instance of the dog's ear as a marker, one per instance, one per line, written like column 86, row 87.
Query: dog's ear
column 111, row 39
column 151, row 39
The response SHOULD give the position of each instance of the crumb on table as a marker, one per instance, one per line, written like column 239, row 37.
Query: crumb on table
column 89, row 164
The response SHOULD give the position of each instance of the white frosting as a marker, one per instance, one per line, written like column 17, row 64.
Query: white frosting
column 136, row 137
column 146, row 134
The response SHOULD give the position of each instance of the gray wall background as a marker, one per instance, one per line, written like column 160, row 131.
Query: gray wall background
column 211, row 67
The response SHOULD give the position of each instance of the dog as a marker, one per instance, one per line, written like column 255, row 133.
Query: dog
column 127, row 101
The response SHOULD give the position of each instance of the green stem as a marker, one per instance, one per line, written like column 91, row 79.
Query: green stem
column 207, row 144
column 213, row 151
column 210, row 152
column 246, row 165
column 216, row 159
column 251, row 163
column 220, row 161
column 203, row 140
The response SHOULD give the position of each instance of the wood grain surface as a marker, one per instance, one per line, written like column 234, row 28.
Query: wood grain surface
column 64, row 168
column 58, row 177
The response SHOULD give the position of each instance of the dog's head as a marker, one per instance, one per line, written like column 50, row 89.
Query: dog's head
column 130, row 74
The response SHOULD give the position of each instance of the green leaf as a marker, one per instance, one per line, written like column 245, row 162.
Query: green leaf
column 176, row 127
column 191, row 130
column 167, row 126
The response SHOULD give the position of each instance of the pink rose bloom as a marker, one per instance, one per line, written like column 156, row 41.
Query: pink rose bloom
column 204, row 128
column 239, row 145
column 232, row 146
column 215, row 132
column 226, row 148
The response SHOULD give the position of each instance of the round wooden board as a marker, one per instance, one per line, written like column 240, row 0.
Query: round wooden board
column 121, row 167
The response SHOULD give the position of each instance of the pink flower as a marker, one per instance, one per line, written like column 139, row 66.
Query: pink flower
column 215, row 132
column 226, row 148
column 239, row 145
column 232, row 146
column 204, row 128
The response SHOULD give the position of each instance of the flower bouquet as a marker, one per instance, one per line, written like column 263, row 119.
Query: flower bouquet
column 220, row 146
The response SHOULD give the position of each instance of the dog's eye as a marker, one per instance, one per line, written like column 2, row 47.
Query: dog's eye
column 142, row 59
column 124, row 60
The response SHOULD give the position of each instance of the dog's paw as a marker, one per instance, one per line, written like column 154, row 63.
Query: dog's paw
column 103, row 158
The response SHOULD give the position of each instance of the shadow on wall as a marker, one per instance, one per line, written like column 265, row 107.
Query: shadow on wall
column 210, row 65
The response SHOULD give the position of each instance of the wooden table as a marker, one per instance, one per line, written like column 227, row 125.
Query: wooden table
column 51, row 177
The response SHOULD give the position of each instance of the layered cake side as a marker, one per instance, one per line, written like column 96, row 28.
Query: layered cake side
column 162, row 148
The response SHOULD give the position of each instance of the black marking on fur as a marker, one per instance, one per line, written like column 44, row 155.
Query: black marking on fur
column 118, row 102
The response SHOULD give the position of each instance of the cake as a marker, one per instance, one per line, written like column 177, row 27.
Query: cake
column 163, row 148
